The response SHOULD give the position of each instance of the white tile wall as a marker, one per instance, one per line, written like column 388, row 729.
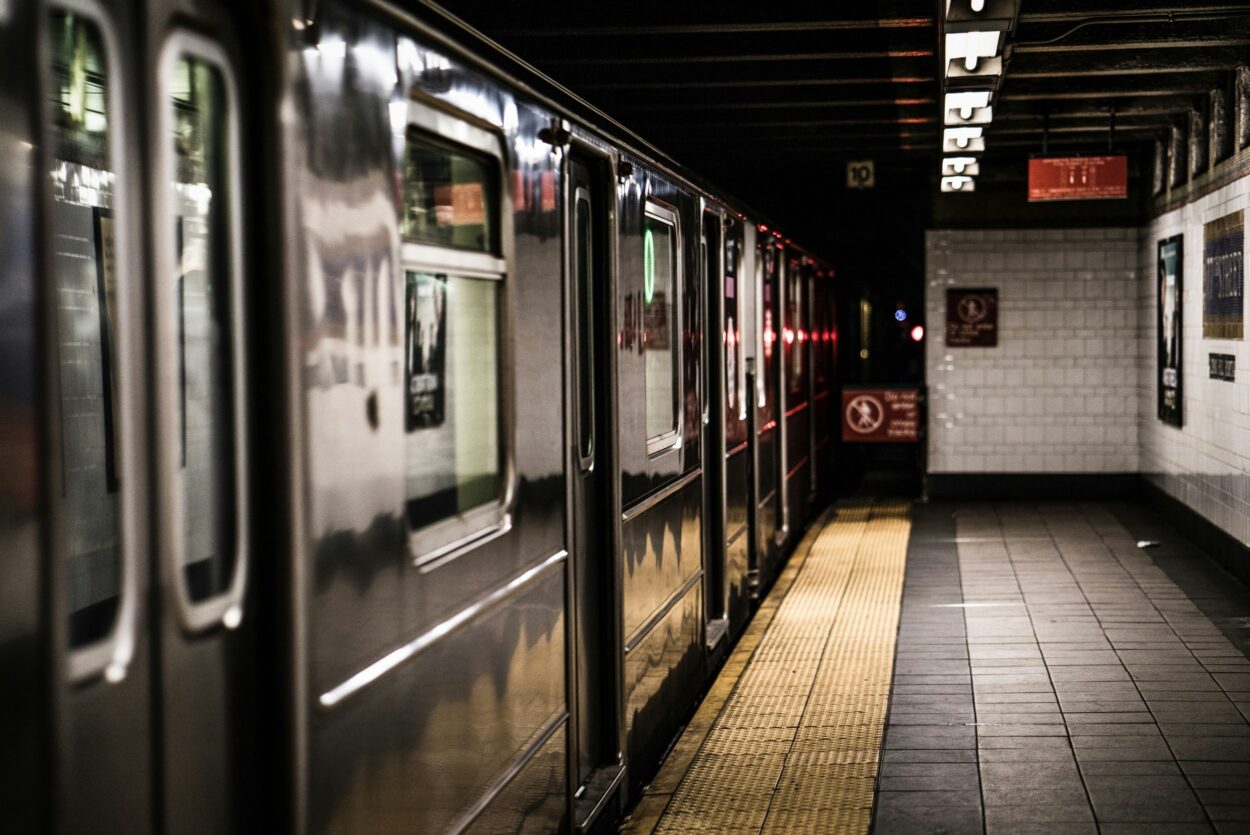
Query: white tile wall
column 1061, row 392
column 1205, row 463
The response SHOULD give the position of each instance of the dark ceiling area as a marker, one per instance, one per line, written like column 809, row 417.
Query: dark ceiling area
column 770, row 100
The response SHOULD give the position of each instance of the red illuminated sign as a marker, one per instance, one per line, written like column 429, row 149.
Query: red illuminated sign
column 1078, row 178
column 881, row 415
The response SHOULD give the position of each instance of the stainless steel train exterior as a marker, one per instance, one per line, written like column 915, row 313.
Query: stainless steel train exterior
column 392, row 442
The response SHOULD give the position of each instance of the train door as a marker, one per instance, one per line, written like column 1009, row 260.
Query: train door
column 92, row 467
column 768, row 454
column 714, row 364
column 201, row 472
column 735, row 402
column 595, row 684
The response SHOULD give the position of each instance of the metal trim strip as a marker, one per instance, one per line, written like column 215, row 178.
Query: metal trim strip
column 660, row 495
column 797, row 466
column 496, row 788
column 662, row 612
column 359, row 681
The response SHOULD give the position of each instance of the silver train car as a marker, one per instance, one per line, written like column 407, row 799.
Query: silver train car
column 391, row 441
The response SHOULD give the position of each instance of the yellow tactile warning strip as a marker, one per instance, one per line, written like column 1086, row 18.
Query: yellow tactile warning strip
column 790, row 736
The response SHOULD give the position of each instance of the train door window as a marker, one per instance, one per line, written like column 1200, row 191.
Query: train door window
column 735, row 398
column 202, row 295
column 661, row 311
column 795, row 333
column 85, row 295
column 453, row 280
column 583, row 255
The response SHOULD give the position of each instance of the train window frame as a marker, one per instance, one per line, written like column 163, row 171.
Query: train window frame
column 225, row 607
column 110, row 655
column 435, row 544
column 670, row 439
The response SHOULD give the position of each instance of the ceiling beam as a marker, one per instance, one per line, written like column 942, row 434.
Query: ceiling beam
column 636, row 60
column 820, row 104
column 684, row 84
column 752, row 27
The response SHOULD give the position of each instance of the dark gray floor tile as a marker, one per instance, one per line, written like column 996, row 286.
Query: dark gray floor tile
column 931, row 755
column 1125, row 768
column 1210, row 748
column 1042, row 828
column 1069, row 794
column 995, row 729
column 1173, row 828
column 1143, row 799
column 965, row 798
column 898, row 819
column 1004, row 818
column 928, row 783
column 923, row 736
column 966, row 771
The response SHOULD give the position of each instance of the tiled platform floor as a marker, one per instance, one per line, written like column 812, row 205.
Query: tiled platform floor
column 1052, row 676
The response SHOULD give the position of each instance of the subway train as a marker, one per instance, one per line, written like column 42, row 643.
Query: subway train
column 393, row 442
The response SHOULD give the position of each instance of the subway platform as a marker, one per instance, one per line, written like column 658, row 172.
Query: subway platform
column 977, row 667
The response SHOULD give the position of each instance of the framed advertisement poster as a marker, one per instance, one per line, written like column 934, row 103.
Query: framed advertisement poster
column 1223, row 279
column 1168, row 318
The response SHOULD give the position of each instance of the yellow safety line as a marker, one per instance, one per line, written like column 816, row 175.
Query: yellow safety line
column 794, row 745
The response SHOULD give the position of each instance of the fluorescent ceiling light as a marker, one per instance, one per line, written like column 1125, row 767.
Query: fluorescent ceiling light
column 957, row 166
column 967, row 102
column 959, row 184
column 971, row 47
column 962, row 137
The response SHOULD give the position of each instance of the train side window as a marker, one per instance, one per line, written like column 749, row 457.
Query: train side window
column 85, row 295
column 661, row 326
column 452, row 295
column 199, row 304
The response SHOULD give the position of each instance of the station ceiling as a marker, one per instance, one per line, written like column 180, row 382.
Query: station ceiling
column 772, row 98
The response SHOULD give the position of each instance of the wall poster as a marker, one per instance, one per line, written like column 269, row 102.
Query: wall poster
column 426, row 351
column 1223, row 277
column 1168, row 329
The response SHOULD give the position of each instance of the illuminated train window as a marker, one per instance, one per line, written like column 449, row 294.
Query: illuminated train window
column 80, row 227
column 452, row 299
column 661, row 311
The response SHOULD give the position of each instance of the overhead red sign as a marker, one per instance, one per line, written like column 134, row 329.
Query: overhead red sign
column 881, row 415
column 1078, row 178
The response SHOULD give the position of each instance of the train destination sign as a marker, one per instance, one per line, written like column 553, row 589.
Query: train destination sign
column 881, row 415
column 972, row 317
column 1078, row 178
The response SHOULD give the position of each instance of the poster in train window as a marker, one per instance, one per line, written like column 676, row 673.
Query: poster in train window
column 1168, row 320
column 1223, row 277
column 425, row 350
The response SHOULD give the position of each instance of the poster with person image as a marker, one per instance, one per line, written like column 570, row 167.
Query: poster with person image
column 425, row 356
column 1171, row 258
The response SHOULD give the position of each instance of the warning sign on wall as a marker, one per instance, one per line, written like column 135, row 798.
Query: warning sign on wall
column 972, row 317
column 881, row 415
